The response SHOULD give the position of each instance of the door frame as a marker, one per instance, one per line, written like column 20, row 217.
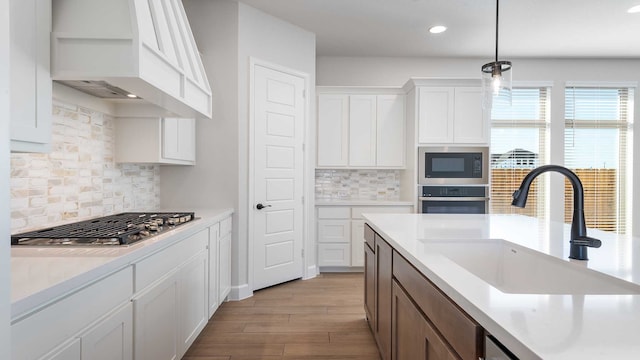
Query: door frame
column 308, row 267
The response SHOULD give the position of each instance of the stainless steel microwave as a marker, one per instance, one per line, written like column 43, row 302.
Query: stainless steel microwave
column 453, row 165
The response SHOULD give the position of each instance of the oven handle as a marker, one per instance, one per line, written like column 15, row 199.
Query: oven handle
column 430, row 198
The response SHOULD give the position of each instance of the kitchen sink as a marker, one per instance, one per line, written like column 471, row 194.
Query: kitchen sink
column 514, row 269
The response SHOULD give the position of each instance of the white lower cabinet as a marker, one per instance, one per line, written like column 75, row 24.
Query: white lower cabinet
column 156, row 319
column 151, row 310
column 219, row 263
column 170, row 313
column 111, row 339
column 357, row 246
column 340, row 232
column 68, row 351
column 224, row 261
column 193, row 299
column 94, row 319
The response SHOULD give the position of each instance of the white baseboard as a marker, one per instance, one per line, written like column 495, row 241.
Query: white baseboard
column 312, row 271
column 240, row 292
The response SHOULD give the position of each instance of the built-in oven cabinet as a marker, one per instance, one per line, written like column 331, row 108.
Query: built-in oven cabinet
column 170, row 141
column 31, row 85
column 340, row 234
column 93, row 324
column 361, row 130
column 451, row 115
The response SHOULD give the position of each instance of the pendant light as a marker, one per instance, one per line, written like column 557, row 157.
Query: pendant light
column 496, row 77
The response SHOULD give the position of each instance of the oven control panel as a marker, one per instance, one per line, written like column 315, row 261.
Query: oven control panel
column 454, row 191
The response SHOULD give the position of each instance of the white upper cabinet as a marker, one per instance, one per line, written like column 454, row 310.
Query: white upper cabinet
column 333, row 130
column 145, row 48
column 156, row 140
column 358, row 130
column 390, row 134
column 450, row 114
column 30, row 24
column 362, row 130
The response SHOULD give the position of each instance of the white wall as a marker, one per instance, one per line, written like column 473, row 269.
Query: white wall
column 228, row 34
column 389, row 71
column 5, row 270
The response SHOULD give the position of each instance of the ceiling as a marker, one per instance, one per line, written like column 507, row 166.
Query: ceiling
column 528, row 28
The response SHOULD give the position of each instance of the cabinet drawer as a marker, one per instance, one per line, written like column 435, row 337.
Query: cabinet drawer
column 225, row 226
column 334, row 212
column 370, row 237
column 157, row 265
column 356, row 212
column 334, row 254
column 334, row 231
column 462, row 332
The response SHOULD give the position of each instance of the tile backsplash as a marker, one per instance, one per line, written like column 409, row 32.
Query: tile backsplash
column 357, row 184
column 79, row 178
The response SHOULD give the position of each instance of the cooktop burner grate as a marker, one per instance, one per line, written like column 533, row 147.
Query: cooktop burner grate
column 119, row 229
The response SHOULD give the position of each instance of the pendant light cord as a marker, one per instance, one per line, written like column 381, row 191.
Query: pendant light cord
column 497, row 10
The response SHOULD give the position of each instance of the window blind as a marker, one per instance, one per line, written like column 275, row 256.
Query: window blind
column 597, row 148
column 518, row 144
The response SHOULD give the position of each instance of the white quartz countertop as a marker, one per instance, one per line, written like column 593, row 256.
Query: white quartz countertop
column 573, row 326
column 40, row 275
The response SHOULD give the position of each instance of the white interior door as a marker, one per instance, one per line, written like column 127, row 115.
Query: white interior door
column 278, row 111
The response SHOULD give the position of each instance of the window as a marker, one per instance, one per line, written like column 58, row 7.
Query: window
column 597, row 143
column 518, row 144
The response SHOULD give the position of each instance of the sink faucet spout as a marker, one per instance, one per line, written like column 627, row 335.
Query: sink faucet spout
column 579, row 239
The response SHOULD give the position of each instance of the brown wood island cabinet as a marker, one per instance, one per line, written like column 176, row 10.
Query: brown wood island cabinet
column 409, row 316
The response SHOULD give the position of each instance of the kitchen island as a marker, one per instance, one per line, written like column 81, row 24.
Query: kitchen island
column 532, row 324
column 76, row 302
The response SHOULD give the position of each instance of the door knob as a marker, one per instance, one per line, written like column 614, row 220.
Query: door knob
column 260, row 206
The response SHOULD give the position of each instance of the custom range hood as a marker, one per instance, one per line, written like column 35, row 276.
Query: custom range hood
column 130, row 50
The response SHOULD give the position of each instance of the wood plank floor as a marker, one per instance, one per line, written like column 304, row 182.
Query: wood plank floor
column 320, row 319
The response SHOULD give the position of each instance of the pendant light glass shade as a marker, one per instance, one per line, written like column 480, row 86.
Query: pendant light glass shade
column 496, row 77
column 496, row 83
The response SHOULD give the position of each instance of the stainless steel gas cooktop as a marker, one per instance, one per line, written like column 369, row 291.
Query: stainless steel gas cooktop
column 119, row 229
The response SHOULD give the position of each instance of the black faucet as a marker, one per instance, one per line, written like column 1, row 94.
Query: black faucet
column 579, row 239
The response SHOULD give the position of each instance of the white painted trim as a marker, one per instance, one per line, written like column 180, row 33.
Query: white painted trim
column 533, row 83
column 5, row 230
column 253, row 62
column 312, row 271
column 240, row 292
column 365, row 90
column 602, row 84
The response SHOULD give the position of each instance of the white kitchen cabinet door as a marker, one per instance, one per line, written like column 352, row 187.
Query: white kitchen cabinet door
column 362, row 130
column 470, row 125
column 334, row 254
column 112, row 338
column 193, row 313
column 390, row 129
column 224, row 266
column 68, row 351
column 179, row 139
column 333, row 130
column 155, row 140
column 357, row 243
column 214, row 245
column 156, row 320
column 334, row 231
column 435, row 115
column 31, row 85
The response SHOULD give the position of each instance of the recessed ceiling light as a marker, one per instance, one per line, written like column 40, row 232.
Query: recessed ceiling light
column 634, row 9
column 437, row 29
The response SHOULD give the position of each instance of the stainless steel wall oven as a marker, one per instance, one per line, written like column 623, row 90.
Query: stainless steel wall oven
column 453, row 200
